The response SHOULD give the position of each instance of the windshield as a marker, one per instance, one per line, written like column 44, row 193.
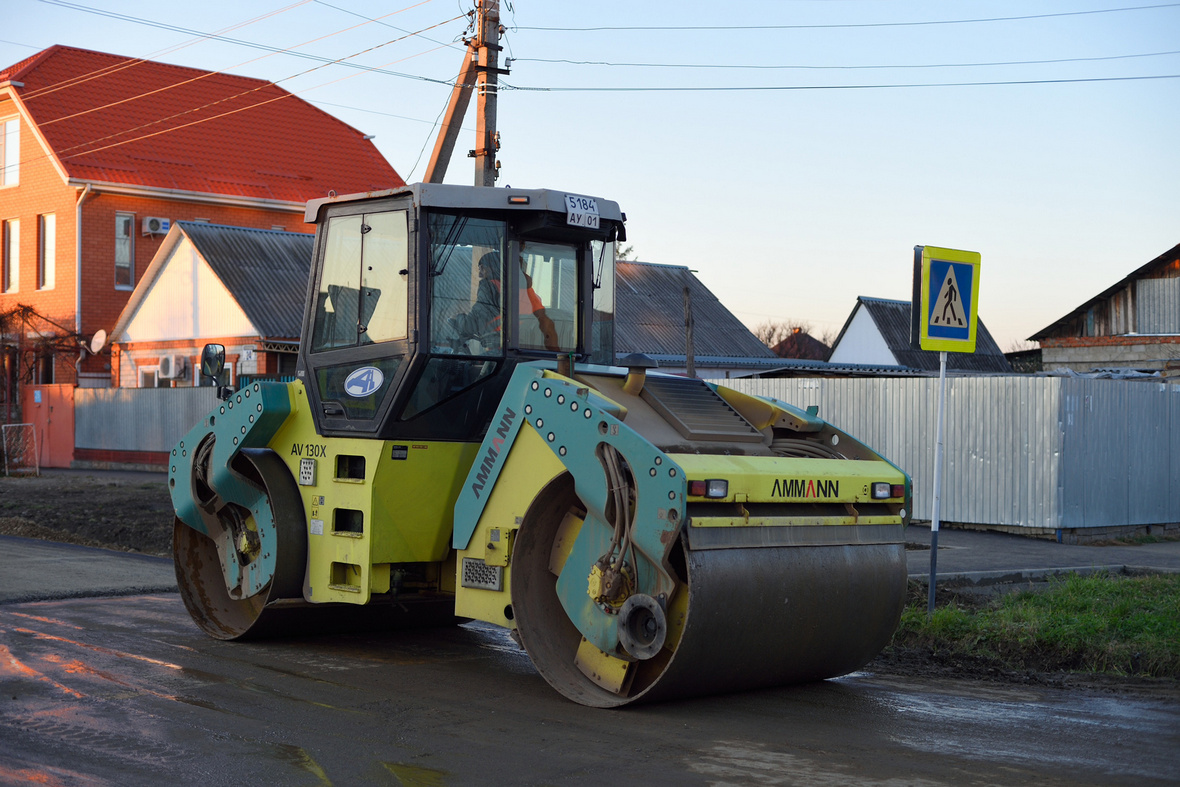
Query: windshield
column 466, row 301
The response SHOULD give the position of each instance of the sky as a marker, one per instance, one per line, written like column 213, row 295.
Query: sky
column 792, row 153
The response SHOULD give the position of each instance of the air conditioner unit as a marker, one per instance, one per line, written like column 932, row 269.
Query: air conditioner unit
column 172, row 366
column 154, row 225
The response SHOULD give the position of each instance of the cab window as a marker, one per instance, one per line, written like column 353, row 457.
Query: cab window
column 547, row 300
column 362, row 296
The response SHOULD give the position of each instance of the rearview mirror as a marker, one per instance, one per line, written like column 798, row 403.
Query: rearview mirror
column 213, row 360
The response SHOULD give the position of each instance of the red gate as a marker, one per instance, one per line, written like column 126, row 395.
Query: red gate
column 50, row 408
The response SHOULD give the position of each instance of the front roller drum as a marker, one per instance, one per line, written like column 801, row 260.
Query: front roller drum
column 200, row 575
column 756, row 617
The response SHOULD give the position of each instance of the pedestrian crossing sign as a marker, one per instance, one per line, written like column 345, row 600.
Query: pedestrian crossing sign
column 946, row 288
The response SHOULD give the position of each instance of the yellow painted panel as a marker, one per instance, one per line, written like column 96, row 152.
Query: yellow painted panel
column 721, row 521
column 405, row 505
column 763, row 479
column 530, row 466
column 609, row 672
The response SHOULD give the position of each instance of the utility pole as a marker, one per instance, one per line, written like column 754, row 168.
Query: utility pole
column 690, row 361
column 480, row 72
column 487, row 84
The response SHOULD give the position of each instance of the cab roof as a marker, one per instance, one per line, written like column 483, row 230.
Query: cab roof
column 443, row 195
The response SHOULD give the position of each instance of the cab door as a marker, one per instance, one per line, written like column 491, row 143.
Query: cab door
column 360, row 326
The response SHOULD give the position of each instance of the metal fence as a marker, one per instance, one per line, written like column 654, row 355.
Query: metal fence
column 1033, row 452
column 138, row 419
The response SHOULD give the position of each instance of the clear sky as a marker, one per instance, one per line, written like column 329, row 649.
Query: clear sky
column 789, row 200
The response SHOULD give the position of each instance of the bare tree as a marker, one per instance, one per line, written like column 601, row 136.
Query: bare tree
column 1020, row 345
column 771, row 332
column 625, row 253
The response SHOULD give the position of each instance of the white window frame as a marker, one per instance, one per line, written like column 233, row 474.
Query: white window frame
column 9, row 151
column 46, row 250
column 130, row 266
column 143, row 371
column 10, row 265
column 201, row 381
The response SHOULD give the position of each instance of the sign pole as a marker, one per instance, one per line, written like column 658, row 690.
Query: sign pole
column 935, row 506
column 944, row 316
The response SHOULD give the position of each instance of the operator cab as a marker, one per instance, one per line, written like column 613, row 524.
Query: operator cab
column 423, row 299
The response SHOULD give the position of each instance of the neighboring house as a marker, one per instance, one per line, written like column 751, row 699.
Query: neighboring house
column 100, row 153
column 801, row 345
column 650, row 319
column 244, row 288
column 1133, row 325
column 877, row 332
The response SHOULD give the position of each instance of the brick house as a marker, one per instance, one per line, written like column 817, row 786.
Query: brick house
column 240, row 287
column 1133, row 325
column 100, row 153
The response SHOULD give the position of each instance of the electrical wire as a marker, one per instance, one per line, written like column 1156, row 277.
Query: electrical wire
column 286, row 94
column 452, row 44
column 106, row 70
column 240, row 42
column 208, row 74
column 737, row 88
column 842, row 25
column 843, row 68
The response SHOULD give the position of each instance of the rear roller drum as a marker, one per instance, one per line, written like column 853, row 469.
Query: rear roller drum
column 740, row 618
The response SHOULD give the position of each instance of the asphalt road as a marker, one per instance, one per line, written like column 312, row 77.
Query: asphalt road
column 104, row 680
column 126, row 691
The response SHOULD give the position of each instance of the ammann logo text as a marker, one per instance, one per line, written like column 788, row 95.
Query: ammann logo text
column 489, row 460
column 805, row 487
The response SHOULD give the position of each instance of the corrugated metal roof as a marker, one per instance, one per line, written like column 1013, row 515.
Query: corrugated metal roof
column 1062, row 326
column 266, row 272
column 116, row 119
column 649, row 316
column 892, row 319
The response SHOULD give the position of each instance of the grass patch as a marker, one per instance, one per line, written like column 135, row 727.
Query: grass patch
column 1099, row 623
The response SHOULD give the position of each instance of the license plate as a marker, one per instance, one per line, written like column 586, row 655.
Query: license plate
column 581, row 212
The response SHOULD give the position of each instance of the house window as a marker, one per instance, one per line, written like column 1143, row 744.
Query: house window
column 47, row 251
column 124, row 251
column 9, row 152
column 43, row 369
column 149, row 377
column 225, row 378
column 10, row 276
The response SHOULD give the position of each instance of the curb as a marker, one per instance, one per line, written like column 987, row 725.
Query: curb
column 986, row 578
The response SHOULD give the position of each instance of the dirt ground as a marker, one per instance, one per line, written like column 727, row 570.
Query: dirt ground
column 134, row 514
column 129, row 515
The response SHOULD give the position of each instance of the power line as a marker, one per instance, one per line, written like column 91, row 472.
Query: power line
column 240, row 42
column 844, row 68
column 263, row 86
column 715, row 89
column 106, row 70
column 844, row 25
column 386, row 24
column 208, row 74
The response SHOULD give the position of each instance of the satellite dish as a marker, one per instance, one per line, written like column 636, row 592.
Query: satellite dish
column 98, row 341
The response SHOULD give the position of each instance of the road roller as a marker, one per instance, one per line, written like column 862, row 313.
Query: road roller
column 460, row 443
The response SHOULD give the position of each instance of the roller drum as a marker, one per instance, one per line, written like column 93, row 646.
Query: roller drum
column 756, row 617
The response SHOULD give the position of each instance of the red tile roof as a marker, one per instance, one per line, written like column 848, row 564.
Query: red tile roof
column 121, row 120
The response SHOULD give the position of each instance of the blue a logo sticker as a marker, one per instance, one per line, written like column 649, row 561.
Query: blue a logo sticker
column 363, row 382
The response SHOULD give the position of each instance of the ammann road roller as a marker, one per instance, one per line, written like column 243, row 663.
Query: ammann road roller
column 460, row 443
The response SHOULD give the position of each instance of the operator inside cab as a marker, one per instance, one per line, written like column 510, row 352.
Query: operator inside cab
column 485, row 315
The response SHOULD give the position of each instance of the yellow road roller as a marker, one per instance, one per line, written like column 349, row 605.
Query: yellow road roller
column 460, row 442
